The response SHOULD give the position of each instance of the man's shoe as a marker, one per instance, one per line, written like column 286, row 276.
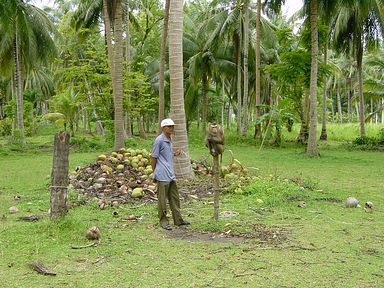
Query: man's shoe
column 184, row 222
column 166, row 227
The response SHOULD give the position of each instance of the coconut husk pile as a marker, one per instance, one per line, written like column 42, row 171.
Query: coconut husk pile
column 125, row 176
column 120, row 177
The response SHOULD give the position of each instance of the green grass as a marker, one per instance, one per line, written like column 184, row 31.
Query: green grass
column 324, row 244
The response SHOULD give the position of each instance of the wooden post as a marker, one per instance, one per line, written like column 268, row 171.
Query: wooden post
column 59, row 175
column 216, row 175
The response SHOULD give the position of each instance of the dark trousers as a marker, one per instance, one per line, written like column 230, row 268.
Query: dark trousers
column 168, row 191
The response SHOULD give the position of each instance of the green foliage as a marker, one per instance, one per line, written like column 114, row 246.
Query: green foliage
column 6, row 127
column 369, row 143
column 29, row 120
column 67, row 103
column 381, row 136
column 364, row 141
column 273, row 192
column 84, row 143
column 141, row 99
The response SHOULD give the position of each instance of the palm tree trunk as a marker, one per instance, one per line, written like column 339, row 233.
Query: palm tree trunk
column 113, row 60
column 324, row 135
column 20, row 137
column 312, row 148
column 382, row 111
column 162, row 62
column 339, row 109
column 117, row 76
column 204, row 109
column 108, row 34
column 350, row 94
column 140, row 125
column 222, row 100
column 244, row 127
column 303, row 135
column 359, row 60
column 238, row 65
column 182, row 163
column 128, row 120
column 257, row 52
column 371, row 118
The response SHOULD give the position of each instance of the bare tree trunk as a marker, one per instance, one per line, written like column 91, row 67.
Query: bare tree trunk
column 19, row 136
column 204, row 109
column 312, row 148
column 257, row 52
column 303, row 135
column 108, row 34
column 371, row 118
column 324, row 135
column 162, row 63
column 140, row 125
column 350, row 95
column 359, row 60
column 339, row 109
column 382, row 111
column 230, row 112
column 222, row 100
column 117, row 78
column 127, row 116
column 238, row 64
column 60, row 175
column 216, row 174
column 244, row 128
column 183, row 166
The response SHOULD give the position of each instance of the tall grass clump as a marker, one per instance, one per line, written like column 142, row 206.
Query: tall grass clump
column 274, row 192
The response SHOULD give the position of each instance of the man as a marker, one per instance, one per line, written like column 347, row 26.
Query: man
column 164, row 174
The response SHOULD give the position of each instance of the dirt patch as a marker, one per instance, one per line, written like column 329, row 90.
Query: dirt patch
column 264, row 234
column 202, row 236
column 199, row 187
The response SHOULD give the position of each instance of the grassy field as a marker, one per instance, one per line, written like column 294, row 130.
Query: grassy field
column 262, row 238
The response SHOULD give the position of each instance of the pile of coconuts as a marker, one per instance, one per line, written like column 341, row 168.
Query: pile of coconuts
column 126, row 176
column 119, row 177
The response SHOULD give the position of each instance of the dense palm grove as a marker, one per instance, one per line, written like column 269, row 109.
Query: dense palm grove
column 117, row 66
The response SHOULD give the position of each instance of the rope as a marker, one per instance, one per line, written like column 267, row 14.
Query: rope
column 56, row 186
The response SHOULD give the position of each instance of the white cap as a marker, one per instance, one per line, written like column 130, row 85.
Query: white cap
column 167, row 122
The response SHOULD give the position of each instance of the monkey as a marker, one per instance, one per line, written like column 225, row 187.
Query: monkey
column 215, row 139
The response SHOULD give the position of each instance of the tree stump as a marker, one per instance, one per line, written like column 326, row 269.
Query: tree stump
column 59, row 175
column 216, row 175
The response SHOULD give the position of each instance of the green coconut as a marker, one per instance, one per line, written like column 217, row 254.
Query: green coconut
column 114, row 154
column 101, row 157
column 137, row 192
column 120, row 167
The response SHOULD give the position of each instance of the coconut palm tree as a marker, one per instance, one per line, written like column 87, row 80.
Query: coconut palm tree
column 87, row 15
column 358, row 25
column 312, row 148
column 244, row 123
column 257, row 65
column 182, row 162
column 374, row 85
column 117, row 73
column 164, row 35
column 201, row 51
column 271, row 8
column 27, row 39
